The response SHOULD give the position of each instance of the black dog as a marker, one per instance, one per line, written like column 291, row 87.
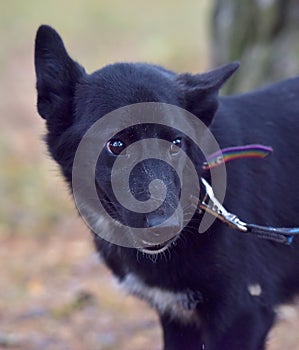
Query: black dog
column 217, row 290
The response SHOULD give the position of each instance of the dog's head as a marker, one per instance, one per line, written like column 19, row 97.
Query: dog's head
column 72, row 101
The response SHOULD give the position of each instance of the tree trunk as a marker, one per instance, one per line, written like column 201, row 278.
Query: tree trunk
column 262, row 34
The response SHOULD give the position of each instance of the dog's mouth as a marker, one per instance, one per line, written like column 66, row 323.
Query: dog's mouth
column 152, row 248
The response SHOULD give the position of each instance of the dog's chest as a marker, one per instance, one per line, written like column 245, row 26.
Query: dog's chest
column 178, row 305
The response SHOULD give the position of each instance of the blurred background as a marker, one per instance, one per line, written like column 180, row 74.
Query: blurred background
column 55, row 293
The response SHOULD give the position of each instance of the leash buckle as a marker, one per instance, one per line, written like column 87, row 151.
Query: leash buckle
column 211, row 205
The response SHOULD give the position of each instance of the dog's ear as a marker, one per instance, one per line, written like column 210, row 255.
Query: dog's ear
column 56, row 75
column 200, row 91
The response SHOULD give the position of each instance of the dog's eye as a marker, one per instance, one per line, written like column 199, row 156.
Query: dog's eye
column 115, row 146
column 175, row 146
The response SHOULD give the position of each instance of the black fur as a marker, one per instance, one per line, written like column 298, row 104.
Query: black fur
column 219, row 265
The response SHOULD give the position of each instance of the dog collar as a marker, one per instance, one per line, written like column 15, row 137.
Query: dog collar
column 211, row 204
column 232, row 153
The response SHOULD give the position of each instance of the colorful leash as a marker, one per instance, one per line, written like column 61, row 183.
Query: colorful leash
column 211, row 205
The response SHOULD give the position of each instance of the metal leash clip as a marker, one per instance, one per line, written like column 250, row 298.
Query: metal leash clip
column 211, row 205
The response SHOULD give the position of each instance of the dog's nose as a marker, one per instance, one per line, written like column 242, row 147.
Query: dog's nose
column 163, row 225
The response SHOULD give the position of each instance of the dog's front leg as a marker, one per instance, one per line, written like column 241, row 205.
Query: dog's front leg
column 178, row 335
column 248, row 331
